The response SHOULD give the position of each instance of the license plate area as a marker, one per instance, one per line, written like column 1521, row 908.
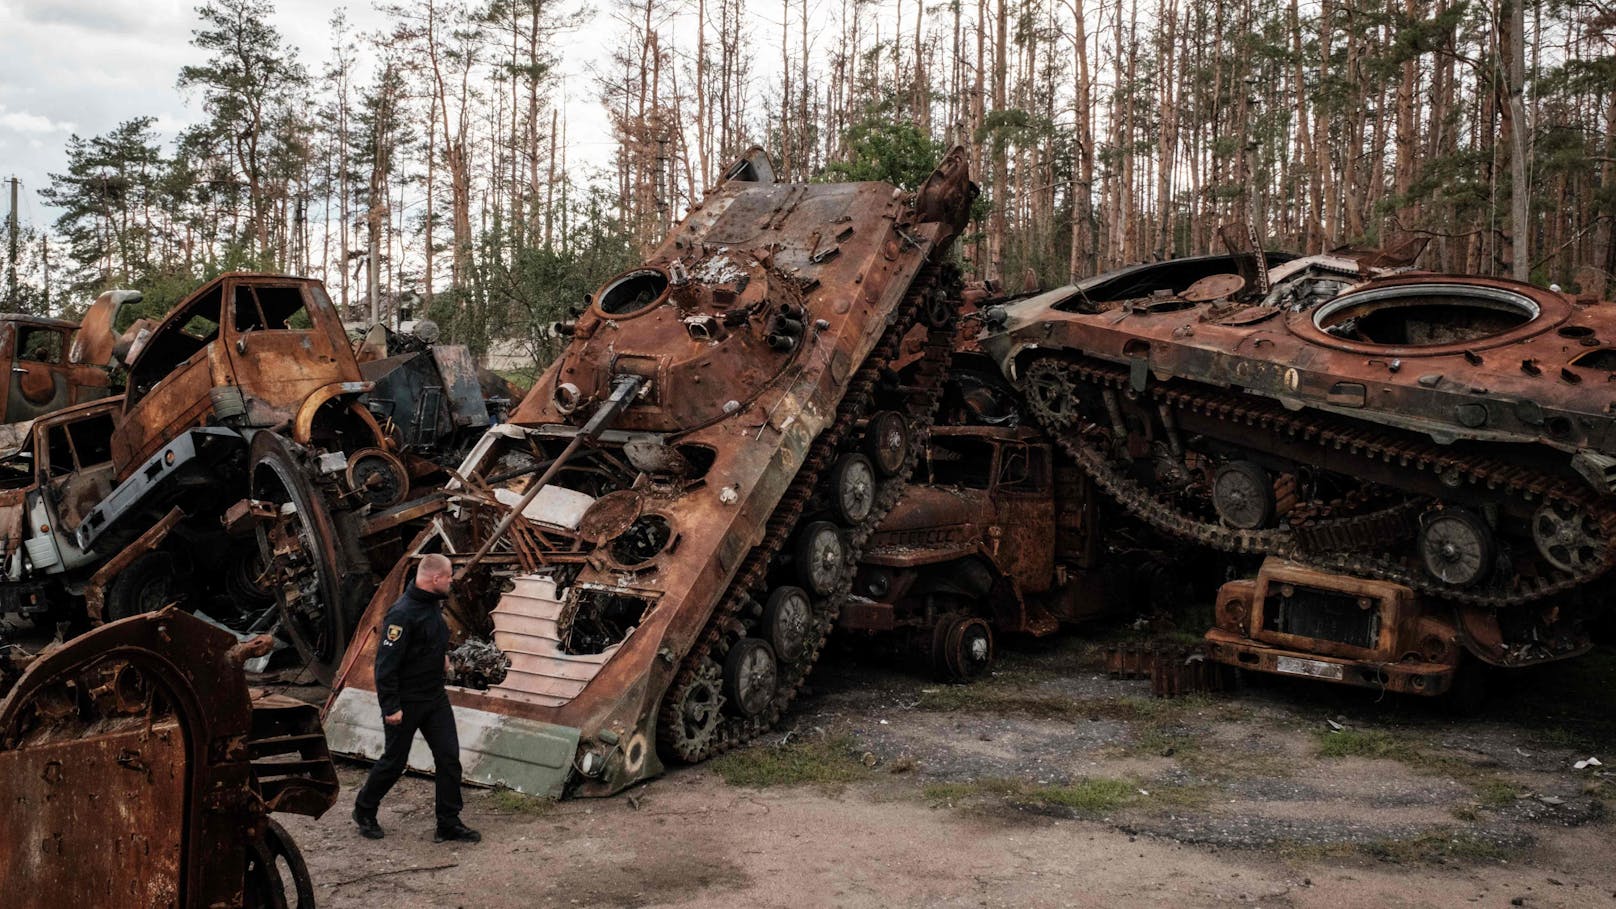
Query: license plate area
column 1317, row 669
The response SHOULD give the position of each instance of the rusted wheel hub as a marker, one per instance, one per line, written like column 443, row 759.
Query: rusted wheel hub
column 887, row 440
column 1456, row 546
column 962, row 648
column 750, row 676
column 377, row 477
column 788, row 619
column 853, row 489
column 1243, row 495
column 821, row 557
column 1566, row 536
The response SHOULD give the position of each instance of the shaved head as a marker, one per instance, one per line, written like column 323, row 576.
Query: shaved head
column 434, row 573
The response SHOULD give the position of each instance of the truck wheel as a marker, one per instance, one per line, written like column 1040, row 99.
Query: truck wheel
column 147, row 585
column 962, row 648
column 852, row 484
column 821, row 557
column 1243, row 495
column 306, row 564
column 750, row 676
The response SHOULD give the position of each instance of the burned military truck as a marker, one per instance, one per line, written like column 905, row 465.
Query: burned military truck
column 715, row 432
column 1443, row 434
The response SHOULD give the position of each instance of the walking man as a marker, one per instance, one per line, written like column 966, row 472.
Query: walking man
column 411, row 662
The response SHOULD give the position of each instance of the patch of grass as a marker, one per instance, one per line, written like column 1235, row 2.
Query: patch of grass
column 503, row 799
column 1496, row 793
column 1443, row 846
column 1367, row 743
column 1091, row 795
column 827, row 762
column 1492, row 790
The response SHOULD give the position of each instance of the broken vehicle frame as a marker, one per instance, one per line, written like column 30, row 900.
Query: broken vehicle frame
column 151, row 715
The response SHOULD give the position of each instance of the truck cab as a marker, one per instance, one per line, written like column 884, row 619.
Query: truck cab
column 990, row 537
column 54, row 363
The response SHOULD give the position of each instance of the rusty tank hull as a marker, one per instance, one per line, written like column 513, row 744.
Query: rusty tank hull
column 137, row 771
column 662, row 536
column 1445, row 433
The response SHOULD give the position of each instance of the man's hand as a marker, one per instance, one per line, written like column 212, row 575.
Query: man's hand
column 394, row 718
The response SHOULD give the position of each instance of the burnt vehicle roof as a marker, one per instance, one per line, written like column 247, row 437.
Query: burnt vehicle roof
column 42, row 321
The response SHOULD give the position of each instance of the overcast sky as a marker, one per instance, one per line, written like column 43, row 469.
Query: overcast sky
column 84, row 66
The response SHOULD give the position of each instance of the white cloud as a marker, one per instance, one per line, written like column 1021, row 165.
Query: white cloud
column 24, row 122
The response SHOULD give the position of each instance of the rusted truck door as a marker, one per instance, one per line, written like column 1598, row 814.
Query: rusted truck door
column 170, row 381
column 1024, row 510
column 39, row 372
column 285, row 345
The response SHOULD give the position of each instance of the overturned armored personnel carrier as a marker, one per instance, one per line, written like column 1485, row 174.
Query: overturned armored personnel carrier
column 662, row 536
column 1452, row 435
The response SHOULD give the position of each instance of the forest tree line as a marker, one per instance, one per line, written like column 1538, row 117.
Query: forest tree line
column 426, row 165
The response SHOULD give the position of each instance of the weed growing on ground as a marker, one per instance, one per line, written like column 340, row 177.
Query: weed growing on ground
column 1442, row 846
column 817, row 762
column 503, row 799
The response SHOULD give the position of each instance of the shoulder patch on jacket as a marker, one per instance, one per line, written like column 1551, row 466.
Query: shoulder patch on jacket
column 394, row 632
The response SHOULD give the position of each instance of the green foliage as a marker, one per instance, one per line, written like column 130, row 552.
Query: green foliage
column 887, row 150
column 822, row 762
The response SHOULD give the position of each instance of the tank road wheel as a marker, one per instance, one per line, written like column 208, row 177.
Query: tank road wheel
column 1051, row 392
column 1243, row 495
column 852, row 484
column 788, row 619
column 276, row 876
column 962, row 648
column 937, row 310
column 378, row 477
column 145, row 586
column 887, row 441
column 696, row 712
column 821, row 557
column 306, row 565
column 1456, row 546
column 750, row 676
column 1566, row 537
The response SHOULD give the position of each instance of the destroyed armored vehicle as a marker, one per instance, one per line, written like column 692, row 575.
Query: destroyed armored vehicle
column 662, row 536
column 1444, row 433
column 138, row 771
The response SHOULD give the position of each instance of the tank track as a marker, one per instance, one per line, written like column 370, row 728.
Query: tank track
column 701, row 666
column 1050, row 375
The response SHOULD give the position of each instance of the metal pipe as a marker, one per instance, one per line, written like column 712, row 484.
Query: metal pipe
column 625, row 389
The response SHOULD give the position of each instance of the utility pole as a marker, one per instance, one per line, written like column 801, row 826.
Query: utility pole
column 11, row 248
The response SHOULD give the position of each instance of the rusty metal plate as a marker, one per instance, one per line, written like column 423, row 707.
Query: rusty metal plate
column 610, row 515
column 1214, row 287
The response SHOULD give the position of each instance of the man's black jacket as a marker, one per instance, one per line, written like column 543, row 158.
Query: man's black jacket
column 409, row 661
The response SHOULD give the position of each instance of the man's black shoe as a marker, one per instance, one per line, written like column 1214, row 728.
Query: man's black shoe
column 368, row 828
column 456, row 831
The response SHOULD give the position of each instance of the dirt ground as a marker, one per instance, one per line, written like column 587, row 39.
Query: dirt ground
column 1051, row 785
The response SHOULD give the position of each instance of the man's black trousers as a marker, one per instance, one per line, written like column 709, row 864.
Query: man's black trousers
column 435, row 719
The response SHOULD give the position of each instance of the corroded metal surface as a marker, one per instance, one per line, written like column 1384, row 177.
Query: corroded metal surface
column 1444, row 433
column 136, row 771
column 637, row 632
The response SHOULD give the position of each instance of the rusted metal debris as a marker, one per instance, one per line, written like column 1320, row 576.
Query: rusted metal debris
column 151, row 715
column 1173, row 669
column 249, row 442
column 665, row 589
column 1438, row 432
column 53, row 363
